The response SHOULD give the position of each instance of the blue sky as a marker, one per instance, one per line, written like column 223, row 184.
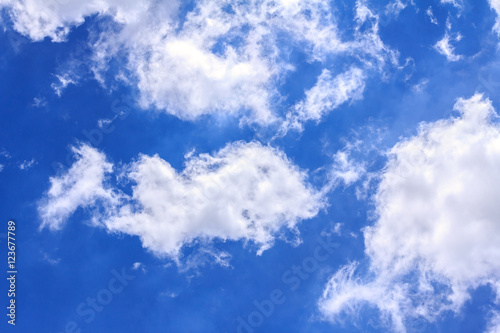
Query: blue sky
column 256, row 166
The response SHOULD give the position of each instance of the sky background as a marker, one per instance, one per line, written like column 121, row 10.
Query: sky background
column 321, row 97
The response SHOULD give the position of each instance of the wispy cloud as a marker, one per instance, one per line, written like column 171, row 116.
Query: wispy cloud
column 49, row 259
column 138, row 266
column 431, row 16
column 39, row 102
column 80, row 186
column 5, row 153
column 25, row 165
column 495, row 5
column 445, row 47
column 419, row 87
column 63, row 81
column 328, row 94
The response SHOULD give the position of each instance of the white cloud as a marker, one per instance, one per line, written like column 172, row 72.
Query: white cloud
column 39, row 102
column 1, row 167
column 105, row 122
column 456, row 3
column 429, row 13
column 345, row 170
column 63, row 81
column 494, row 323
column 80, row 186
column 445, row 47
column 368, row 44
column 224, row 58
column 495, row 5
column 420, row 86
column 328, row 94
column 54, row 18
column 49, row 259
column 437, row 233
column 138, row 266
column 396, row 7
column 188, row 81
column 206, row 255
column 27, row 164
column 4, row 153
column 183, row 75
column 168, row 293
column 245, row 191
column 335, row 230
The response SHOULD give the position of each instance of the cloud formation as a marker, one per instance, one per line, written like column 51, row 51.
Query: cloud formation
column 80, row 186
column 437, row 233
column 246, row 191
column 431, row 16
column 495, row 5
column 221, row 57
column 54, row 19
column 328, row 94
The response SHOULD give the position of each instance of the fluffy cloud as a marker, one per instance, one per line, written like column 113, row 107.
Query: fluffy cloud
column 38, row 19
column 229, row 59
column 221, row 57
column 245, row 191
column 437, row 233
column 81, row 186
column 187, row 81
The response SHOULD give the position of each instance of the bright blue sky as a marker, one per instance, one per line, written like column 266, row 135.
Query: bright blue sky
column 299, row 103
